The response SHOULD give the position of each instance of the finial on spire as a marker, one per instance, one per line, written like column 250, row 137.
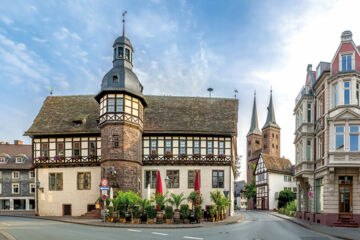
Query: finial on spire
column 270, row 90
column 123, row 14
column 254, row 93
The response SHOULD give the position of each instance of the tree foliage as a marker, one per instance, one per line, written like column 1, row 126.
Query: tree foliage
column 250, row 190
column 285, row 197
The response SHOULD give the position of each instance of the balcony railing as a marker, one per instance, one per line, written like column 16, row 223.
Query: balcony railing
column 305, row 91
column 186, row 160
column 67, row 161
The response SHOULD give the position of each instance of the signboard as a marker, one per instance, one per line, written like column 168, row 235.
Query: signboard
column 104, row 182
column 104, row 188
column 104, row 197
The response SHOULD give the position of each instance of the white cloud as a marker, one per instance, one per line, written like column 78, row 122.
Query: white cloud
column 6, row 20
column 64, row 33
column 39, row 40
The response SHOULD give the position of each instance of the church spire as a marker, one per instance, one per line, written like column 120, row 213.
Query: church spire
column 270, row 119
column 254, row 127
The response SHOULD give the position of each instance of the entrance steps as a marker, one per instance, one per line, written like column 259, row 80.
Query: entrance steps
column 346, row 220
column 93, row 214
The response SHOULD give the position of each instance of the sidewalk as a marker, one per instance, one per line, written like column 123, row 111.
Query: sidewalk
column 237, row 218
column 338, row 232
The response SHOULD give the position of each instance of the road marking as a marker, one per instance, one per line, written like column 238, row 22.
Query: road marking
column 193, row 238
column 134, row 230
column 7, row 235
column 157, row 233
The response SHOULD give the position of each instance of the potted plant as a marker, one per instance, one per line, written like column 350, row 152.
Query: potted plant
column 169, row 213
column 184, row 213
column 194, row 198
column 110, row 214
column 160, row 201
column 153, row 154
column 182, row 155
column 176, row 200
column 198, row 213
column 136, row 214
column 168, row 154
column 216, row 196
column 120, row 205
column 196, row 156
column 144, row 203
column 151, row 213
column 210, row 156
column 212, row 212
column 222, row 156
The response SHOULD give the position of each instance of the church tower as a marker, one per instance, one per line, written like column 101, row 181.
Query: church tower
column 271, row 132
column 254, row 142
column 121, row 118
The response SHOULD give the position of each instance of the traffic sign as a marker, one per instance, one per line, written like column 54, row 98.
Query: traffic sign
column 104, row 192
column 104, row 182
column 104, row 197
column 104, row 188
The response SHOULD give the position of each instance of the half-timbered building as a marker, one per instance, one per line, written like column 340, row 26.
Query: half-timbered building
column 126, row 137
column 273, row 175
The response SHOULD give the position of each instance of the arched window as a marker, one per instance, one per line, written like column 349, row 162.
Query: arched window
column 120, row 52
column 115, row 79
column 127, row 54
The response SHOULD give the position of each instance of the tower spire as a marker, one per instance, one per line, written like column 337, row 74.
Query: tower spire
column 123, row 14
column 254, row 127
column 270, row 119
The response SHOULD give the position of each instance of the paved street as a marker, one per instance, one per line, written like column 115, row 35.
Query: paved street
column 256, row 225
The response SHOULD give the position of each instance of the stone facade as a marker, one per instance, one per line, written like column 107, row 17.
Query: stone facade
column 271, row 141
column 327, row 139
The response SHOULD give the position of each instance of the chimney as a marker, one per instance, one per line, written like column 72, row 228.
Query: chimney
column 18, row 142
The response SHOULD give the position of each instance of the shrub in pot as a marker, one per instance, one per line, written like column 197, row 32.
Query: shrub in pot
column 176, row 200
column 144, row 203
column 194, row 198
column 212, row 212
column 169, row 214
column 110, row 214
column 151, row 213
column 160, row 201
column 184, row 212
column 136, row 214
column 198, row 213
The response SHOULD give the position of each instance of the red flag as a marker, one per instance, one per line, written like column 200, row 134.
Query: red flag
column 159, row 189
column 197, row 184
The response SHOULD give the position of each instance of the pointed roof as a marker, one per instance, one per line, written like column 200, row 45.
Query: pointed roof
column 254, row 127
column 270, row 119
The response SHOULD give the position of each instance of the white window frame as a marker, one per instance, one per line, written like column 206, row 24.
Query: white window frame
column 354, row 134
column 0, row 188
column 339, row 134
column 357, row 94
column 12, row 188
column 30, row 186
column 335, row 95
column 345, row 89
column 352, row 60
column 30, row 173
column 18, row 160
column 13, row 175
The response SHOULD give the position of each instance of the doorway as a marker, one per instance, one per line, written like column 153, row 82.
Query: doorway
column 263, row 203
column 345, row 194
column 67, row 210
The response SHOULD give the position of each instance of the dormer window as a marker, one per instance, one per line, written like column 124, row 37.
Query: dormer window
column 127, row 54
column 346, row 63
column 19, row 160
column 120, row 52
column 2, row 160
column 115, row 79
column 77, row 123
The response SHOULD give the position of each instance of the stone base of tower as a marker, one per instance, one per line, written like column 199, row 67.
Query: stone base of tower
column 122, row 175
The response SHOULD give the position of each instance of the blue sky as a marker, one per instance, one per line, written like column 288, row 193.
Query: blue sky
column 181, row 48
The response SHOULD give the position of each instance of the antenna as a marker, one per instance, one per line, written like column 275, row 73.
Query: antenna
column 236, row 92
column 123, row 14
column 210, row 90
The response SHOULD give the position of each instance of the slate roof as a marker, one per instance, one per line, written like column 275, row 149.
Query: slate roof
column 277, row 164
column 254, row 126
column 164, row 114
column 270, row 119
column 12, row 151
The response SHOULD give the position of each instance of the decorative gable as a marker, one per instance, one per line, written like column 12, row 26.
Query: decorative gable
column 260, row 166
column 347, row 56
column 346, row 115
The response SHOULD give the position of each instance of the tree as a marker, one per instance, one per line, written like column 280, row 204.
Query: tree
column 250, row 190
column 285, row 197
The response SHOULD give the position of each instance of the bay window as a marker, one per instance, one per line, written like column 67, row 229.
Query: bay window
column 354, row 138
column 339, row 137
column 346, row 93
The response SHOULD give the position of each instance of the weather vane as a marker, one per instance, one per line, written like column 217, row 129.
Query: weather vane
column 123, row 14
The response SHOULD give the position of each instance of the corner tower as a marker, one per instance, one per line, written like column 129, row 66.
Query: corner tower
column 121, row 120
column 271, row 132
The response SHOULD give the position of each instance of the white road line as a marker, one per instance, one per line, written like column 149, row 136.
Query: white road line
column 157, row 233
column 187, row 237
column 134, row 230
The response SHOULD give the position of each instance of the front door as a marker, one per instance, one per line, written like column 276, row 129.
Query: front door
column 263, row 203
column 345, row 194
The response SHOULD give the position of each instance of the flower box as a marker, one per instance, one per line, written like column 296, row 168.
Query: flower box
column 182, row 155
column 222, row 156
column 210, row 155
column 153, row 155
column 168, row 154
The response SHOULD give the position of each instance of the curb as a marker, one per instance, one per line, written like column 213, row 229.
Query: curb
column 148, row 226
column 308, row 227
